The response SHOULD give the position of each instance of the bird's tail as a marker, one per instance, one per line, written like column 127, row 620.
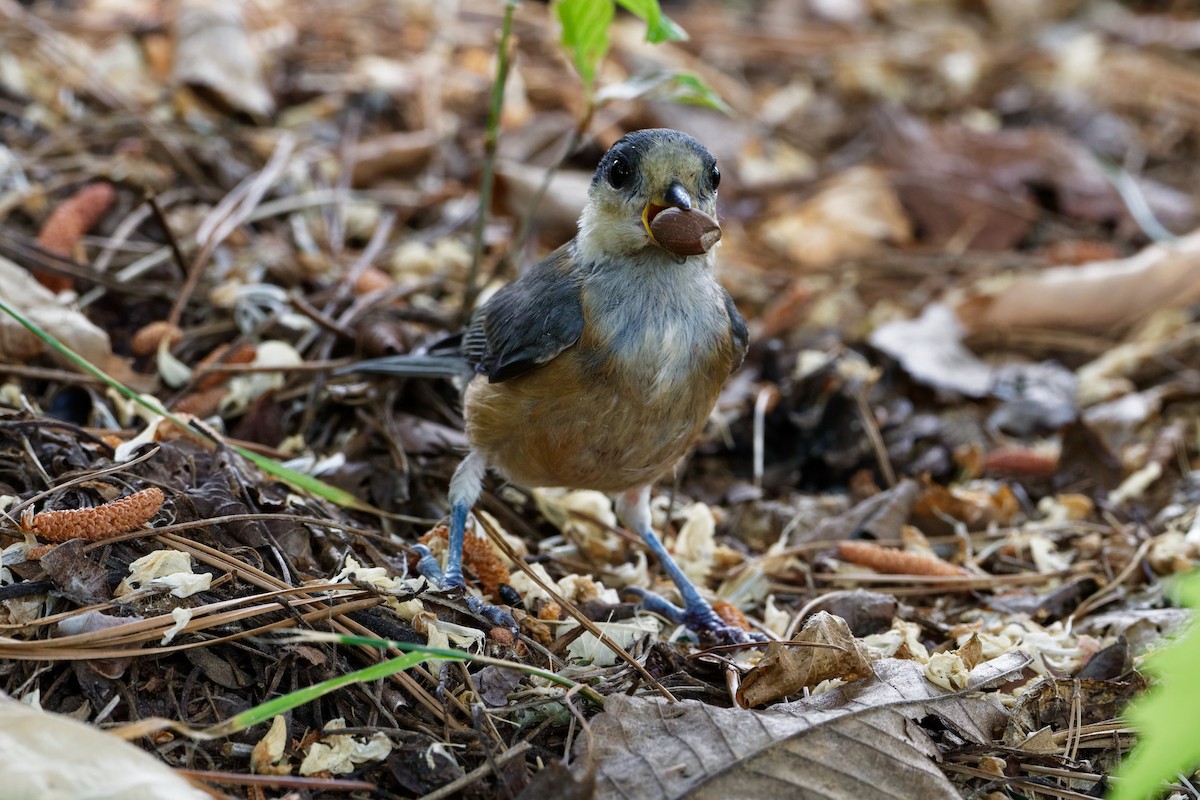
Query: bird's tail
column 413, row 365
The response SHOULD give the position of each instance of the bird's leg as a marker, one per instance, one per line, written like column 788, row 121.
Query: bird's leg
column 633, row 508
column 465, row 488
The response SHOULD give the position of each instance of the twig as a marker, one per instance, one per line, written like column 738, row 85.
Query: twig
column 277, row 781
column 478, row 773
column 871, row 426
column 228, row 215
column 570, row 608
column 761, row 402
column 173, row 242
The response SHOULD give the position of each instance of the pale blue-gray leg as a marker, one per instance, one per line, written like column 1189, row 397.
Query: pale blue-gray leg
column 633, row 508
column 458, row 531
column 465, row 488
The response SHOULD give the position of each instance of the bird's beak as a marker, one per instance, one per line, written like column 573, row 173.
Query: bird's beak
column 674, row 197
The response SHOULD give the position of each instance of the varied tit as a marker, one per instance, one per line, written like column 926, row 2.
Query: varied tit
column 599, row 367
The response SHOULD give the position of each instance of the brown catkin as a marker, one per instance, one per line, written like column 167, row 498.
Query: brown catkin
column 99, row 522
column 479, row 558
column 244, row 354
column 203, row 403
column 67, row 224
column 731, row 615
column 147, row 339
column 896, row 562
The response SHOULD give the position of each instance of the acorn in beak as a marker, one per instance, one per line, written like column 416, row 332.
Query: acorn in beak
column 677, row 226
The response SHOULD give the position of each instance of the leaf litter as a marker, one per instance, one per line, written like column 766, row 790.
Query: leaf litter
column 954, row 477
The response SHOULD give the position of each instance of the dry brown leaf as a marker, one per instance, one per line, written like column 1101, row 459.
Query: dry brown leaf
column 1068, row 703
column 391, row 154
column 1096, row 296
column 647, row 749
column 214, row 50
column 930, row 349
column 856, row 213
column 43, row 750
column 17, row 345
column 826, row 650
column 980, row 190
column 977, row 505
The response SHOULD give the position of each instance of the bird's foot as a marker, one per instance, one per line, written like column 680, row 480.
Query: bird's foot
column 697, row 617
column 451, row 582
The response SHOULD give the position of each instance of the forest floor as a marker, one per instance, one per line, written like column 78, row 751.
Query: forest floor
column 953, row 479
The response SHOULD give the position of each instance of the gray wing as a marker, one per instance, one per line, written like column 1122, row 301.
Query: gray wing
column 741, row 334
column 527, row 323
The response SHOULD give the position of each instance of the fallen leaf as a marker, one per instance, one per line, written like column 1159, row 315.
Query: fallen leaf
column 648, row 749
column 339, row 754
column 825, row 649
column 854, row 214
column 1095, row 296
column 53, row 757
column 214, row 50
column 930, row 349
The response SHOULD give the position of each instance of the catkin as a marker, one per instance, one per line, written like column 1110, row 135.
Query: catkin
column 99, row 522
column 896, row 562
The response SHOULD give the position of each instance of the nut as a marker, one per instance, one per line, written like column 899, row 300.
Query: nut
column 685, row 233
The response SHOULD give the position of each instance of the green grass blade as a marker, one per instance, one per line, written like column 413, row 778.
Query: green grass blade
column 266, row 711
column 436, row 652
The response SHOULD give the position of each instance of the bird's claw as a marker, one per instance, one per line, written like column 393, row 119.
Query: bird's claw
column 492, row 613
column 700, row 619
column 454, row 585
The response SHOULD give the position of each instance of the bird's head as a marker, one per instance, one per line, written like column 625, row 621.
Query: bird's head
column 642, row 175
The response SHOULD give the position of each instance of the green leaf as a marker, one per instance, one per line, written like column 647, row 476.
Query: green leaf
column 691, row 89
column 677, row 87
column 585, row 25
column 659, row 27
column 1167, row 714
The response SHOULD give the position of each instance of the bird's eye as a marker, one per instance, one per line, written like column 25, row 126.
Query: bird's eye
column 619, row 172
column 714, row 176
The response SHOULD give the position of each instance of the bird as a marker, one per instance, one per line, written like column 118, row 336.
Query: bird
column 599, row 367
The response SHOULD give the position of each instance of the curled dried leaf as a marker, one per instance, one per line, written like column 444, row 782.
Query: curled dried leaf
column 382, row 334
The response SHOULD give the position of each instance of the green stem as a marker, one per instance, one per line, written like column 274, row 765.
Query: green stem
column 490, row 144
